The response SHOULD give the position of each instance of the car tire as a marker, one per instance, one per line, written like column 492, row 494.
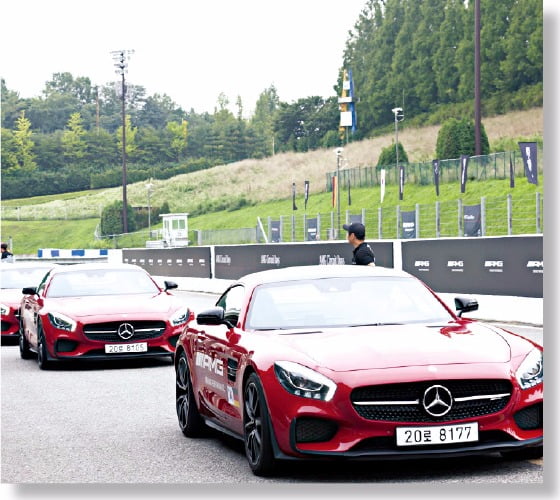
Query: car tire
column 24, row 350
column 190, row 421
column 257, row 430
column 42, row 353
column 524, row 454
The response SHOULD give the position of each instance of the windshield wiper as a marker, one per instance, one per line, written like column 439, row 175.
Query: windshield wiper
column 375, row 324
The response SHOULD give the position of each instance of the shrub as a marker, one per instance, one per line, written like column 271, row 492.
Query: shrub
column 111, row 219
column 388, row 156
column 456, row 138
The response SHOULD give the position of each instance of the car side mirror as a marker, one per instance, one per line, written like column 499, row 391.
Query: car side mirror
column 170, row 285
column 214, row 316
column 29, row 290
column 465, row 304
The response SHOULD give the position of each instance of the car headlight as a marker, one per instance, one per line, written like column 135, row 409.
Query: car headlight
column 180, row 317
column 531, row 370
column 62, row 322
column 302, row 381
column 4, row 309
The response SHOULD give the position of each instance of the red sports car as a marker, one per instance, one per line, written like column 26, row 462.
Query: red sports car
column 100, row 311
column 13, row 277
column 355, row 362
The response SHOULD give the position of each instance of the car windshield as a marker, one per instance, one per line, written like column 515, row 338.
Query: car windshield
column 336, row 302
column 22, row 277
column 100, row 282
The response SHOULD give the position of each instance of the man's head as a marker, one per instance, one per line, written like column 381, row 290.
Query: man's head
column 4, row 247
column 357, row 229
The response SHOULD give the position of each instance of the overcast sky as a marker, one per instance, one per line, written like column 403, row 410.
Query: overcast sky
column 190, row 50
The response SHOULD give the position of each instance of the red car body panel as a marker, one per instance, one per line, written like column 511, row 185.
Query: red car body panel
column 220, row 359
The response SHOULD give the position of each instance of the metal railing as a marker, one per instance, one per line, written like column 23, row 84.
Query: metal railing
column 499, row 216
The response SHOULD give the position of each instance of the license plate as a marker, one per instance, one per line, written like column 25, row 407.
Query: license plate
column 437, row 434
column 120, row 348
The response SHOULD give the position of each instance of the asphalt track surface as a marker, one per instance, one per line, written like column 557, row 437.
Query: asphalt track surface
column 87, row 427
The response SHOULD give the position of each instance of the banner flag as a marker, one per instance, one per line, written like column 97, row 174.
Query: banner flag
column 349, row 197
column 306, row 191
column 401, row 182
column 464, row 165
column 334, row 191
column 352, row 102
column 511, row 173
column 529, row 154
column 382, row 181
column 294, row 196
column 471, row 220
column 435, row 164
column 408, row 220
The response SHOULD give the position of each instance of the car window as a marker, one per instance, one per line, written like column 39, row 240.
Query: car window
column 81, row 283
column 22, row 277
column 231, row 302
column 338, row 302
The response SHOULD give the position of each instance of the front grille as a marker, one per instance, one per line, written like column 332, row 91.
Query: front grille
column 530, row 418
column 314, row 430
column 107, row 332
column 403, row 402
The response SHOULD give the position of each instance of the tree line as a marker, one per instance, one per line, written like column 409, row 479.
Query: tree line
column 418, row 55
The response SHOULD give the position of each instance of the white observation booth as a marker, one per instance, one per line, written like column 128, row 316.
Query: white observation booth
column 175, row 230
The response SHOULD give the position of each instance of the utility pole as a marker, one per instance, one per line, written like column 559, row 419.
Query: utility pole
column 477, row 145
column 121, row 58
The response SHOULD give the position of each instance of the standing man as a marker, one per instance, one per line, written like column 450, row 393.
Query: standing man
column 7, row 254
column 363, row 254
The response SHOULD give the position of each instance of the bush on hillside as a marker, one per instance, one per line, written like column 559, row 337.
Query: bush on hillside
column 456, row 138
column 388, row 156
column 111, row 219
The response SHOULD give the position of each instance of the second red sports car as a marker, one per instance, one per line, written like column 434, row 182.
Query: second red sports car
column 100, row 311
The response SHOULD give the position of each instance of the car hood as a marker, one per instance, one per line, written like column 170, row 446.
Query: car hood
column 114, row 305
column 377, row 347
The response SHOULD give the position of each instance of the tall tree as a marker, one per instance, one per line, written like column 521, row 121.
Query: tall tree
column 24, row 144
column 178, row 133
column 262, row 121
column 73, row 142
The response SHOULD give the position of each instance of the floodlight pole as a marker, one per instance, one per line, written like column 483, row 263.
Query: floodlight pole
column 121, row 63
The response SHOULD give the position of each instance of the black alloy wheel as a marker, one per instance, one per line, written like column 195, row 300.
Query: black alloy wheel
column 190, row 421
column 256, row 425
column 24, row 350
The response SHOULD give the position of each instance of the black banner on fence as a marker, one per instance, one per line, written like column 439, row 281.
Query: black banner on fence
column 192, row 262
column 232, row 262
column 294, row 196
column 512, row 265
column 464, row 165
column 275, row 233
column 311, row 229
column 471, row 220
column 408, row 221
column 529, row 154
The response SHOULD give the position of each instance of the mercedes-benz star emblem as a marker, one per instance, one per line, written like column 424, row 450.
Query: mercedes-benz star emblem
column 125, row 331
column 437, row 400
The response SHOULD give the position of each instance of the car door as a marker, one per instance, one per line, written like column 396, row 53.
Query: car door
column 217, row 361
column 30, row 306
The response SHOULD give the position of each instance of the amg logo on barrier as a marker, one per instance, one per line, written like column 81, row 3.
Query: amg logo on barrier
column 272, row 260
column 422, row 265
column 223, row 259
column 455, row 265
column 205, row 361
column 494, row 266
column 331, row 260
column 536, row 266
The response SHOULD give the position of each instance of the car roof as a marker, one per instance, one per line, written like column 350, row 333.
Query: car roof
column 318, row 272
